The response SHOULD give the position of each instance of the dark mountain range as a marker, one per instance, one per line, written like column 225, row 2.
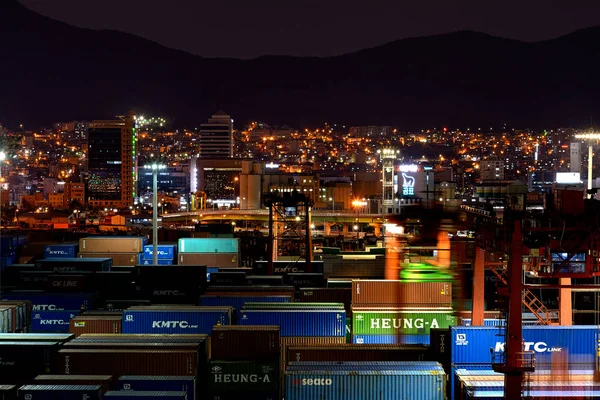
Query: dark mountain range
column 51, row 71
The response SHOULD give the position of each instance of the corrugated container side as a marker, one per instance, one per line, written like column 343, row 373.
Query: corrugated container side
column 161, row 384
column 52, row 321
column 398, row 293
column 134, row 395
column 299, row 322
column 68, row 283
column 103, row 380
column 393, row 322
column 159, row 262
column 551, row 344
column 35, row 337
column 126, row 362
column 330, row 382
column 307, row 341
column 95, row 324
column 60, row 392
column 390, row 339
column 245, row 343
column 244, row 376
column 112, row 244
column 174, row 321
column 441, row 347
column 358, row 352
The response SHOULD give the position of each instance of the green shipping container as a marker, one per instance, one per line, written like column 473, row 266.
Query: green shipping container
column 244, row 376
column 391, row 322
column 208, row 245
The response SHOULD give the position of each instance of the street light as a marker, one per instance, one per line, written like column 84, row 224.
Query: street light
column 155, row 168
column 333, row 201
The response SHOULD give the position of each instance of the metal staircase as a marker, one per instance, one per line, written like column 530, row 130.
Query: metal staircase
column 533, row 304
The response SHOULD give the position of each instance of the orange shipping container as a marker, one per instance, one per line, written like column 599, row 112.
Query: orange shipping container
column 95, row 324
column 401, row 294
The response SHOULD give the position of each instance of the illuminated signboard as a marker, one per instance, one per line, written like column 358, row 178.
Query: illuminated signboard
column 408, row 185
column 408, row 168
column 568, row 177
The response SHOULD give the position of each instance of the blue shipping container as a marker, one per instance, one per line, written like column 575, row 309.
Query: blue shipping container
column 208, row 245
column 7, row 245
column 210, row 270
column 192, row 321
column 472, row 344
column 160, row 262
column 6, row 261
column 53, row 302
column 238, row 302
column 160, row 383
column 135, row 395
column 365, row 380
column 299, row 322
column 52, row 321
column 165, row 252
column 66, row 250
column 391, row 339
column 60, row 392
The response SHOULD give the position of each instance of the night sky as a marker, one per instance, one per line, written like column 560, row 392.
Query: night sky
column 250, row 28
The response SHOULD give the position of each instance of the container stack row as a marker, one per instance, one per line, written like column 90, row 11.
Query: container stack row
column 398, row 312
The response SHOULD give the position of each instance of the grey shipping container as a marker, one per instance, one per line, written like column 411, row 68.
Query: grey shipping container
column 234, row 342
column 161, row 383
column 398, row 293
column 209, row 259
column 107, row 244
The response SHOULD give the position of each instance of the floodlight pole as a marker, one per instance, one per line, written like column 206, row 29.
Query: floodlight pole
column 154, row 214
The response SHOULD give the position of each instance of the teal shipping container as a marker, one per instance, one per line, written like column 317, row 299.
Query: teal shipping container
column 208, row 245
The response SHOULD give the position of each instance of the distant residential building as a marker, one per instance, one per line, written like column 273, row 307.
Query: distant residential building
column 216, row 137
column 56, row 200
column 74, row 191
column 112, row 163
column 492, row 170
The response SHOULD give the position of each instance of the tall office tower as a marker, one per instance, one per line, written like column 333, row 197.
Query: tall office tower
column 112, row 163
column 216, row 137
column 575, row 156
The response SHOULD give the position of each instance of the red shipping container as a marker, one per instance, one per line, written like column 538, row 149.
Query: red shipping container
column 234, row 342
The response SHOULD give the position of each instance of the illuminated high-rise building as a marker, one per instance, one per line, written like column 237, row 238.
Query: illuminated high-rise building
column 112, row 163
column 216, row 137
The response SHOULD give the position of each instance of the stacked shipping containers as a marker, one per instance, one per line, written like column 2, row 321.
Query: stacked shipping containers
column 397, row 312
column 123, row 250
column 568, row 349
column 212, row 252
column 245, row 362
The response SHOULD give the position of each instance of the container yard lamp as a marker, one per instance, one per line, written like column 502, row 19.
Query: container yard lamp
column 155, row 168
column 591, row 138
